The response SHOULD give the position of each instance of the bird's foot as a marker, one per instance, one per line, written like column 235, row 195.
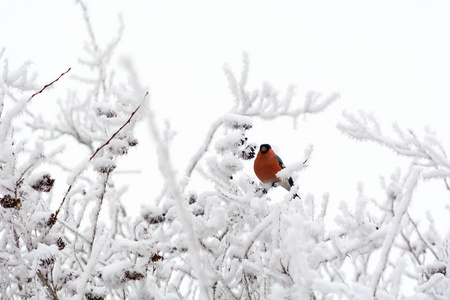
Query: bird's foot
column 259, row 192
column 296, row 196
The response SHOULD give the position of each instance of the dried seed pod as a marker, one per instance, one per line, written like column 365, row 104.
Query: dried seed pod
column 44, row 183
column 9, row 202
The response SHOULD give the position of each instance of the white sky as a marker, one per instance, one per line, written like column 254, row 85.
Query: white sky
column 388, row 57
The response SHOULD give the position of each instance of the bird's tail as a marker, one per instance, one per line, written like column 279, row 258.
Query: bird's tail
column 288, row 184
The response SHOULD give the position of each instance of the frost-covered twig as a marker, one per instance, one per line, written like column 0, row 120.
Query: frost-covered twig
column 99, row 115
column 394, row 227
column 97, row 209
column 184, row 215
column 428, row 160
column 20, row 104
column 54, row 216
column 201, row 150
column 265, row 103
column 87, row 21
column 421, row 237
column 93, row 259
column 115, row 133
column 366, row 127
column 49, row 287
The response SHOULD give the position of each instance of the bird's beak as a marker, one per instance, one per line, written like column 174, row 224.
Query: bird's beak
column 263, row 149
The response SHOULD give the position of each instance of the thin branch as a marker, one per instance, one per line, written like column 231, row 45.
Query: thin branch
column 420, row 236
column 87, row 20
column 201, row 151
column 410, row 248
column 286, row 271
column 45, row 282
column 74, row 231
column 247, row 286
column 54, row 216
column 394, row 227
column 97, row 213
column 184, row 215
column 117, row 132
column 47, row 85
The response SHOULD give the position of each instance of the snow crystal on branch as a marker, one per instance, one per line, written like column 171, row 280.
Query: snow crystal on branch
column 400, row 232
column 232, row 142
column 43, row 258
column 223, row 240
column 266, row 103
column 427, row 151
column 297, row 166
column 104, row 165
column 118, row 147
column 114, row 274
column 235, row 121
column 100, row 114
column 105, row 109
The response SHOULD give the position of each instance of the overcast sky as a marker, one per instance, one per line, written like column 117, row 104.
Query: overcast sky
column 387, row 57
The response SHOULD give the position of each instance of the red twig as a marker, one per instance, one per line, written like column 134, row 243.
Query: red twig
column 107, row 142
column 47, row 85
column 54, row 216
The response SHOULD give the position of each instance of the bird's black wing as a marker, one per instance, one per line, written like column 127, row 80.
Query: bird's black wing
column 280, row 162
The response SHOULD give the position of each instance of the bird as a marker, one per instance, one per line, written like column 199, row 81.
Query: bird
column 267, row 165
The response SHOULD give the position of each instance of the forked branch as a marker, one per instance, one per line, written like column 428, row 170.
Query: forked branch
column 53, row 218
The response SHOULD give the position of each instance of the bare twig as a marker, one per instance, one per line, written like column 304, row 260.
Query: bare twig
column 45, row 282
column 286, row 271
column 410, row 248
column 421, row 237
column 54, row 216
column 47, row 85
column 117, row 132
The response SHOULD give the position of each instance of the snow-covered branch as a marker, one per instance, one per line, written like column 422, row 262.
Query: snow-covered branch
column 224, row 239
column 266, row 103
column 428, row 160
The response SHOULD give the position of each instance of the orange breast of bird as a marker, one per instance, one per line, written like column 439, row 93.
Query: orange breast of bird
column 266, row 166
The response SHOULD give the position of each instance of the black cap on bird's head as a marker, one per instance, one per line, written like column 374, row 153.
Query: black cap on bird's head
column 264, row 148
